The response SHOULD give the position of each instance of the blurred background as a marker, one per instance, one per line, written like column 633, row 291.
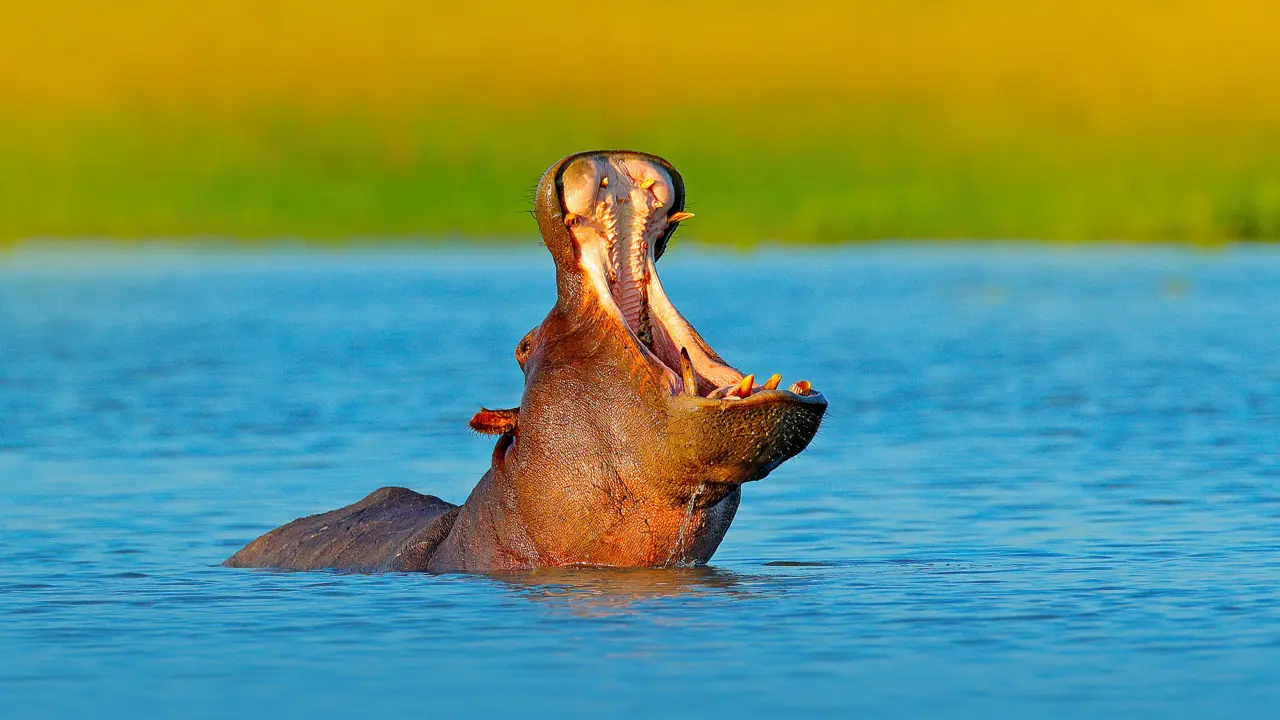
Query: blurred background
column 1140, row 120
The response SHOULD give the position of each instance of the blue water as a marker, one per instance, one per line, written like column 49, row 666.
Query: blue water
column 1048, row 486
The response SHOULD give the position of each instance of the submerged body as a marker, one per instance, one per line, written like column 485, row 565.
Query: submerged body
column 632, row 439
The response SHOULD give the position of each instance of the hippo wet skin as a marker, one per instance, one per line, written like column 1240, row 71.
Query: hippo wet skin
column 633, row 437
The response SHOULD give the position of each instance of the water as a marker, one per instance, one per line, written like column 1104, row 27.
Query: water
column 1047, row 487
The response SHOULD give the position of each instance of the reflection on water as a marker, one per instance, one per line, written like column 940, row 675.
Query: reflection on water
column 587, row 589
column 1047, row 486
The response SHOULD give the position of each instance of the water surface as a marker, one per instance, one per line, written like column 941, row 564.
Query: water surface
column 1046, row 487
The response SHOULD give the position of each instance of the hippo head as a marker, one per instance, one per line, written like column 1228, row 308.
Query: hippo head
column 623, row 398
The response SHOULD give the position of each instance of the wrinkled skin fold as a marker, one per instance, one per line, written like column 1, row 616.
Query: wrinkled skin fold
column 632, row 439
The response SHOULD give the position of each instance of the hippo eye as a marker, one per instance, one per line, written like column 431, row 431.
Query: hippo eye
column 524, row 347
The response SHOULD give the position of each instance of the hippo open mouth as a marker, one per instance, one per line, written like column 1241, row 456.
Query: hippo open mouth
column 621, row 209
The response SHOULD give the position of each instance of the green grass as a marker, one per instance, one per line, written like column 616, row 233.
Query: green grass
column 804, row 174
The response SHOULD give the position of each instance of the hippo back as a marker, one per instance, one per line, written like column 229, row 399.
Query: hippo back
column 392, row 529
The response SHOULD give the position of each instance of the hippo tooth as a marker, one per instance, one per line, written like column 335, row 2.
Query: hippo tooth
column 802, row 388
column 570, row 219
column 604, row 181
column 743, row 389
column 719, row 393
column 686, row 372
column 677, row 217
column 646, row 183
column 772, row 382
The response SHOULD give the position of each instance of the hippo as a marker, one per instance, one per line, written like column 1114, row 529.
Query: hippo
column 633, row 438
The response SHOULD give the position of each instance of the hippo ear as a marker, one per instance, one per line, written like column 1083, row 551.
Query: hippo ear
column 495, row 422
